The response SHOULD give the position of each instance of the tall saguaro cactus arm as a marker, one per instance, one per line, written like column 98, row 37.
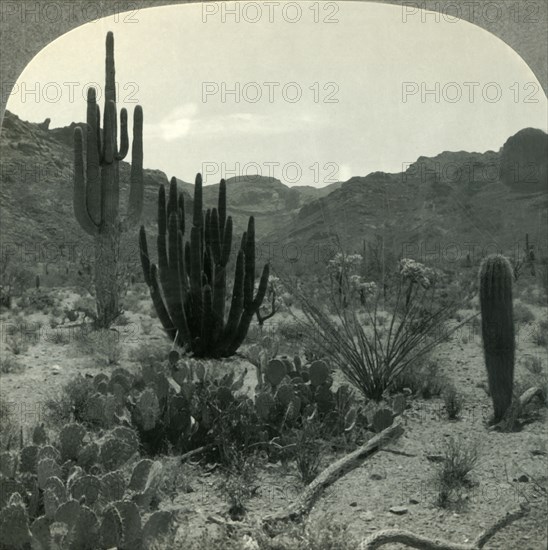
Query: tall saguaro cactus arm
column 136, row 189
column 97, row 185
column 80, row 188
column 191, row 302
column 497, row 327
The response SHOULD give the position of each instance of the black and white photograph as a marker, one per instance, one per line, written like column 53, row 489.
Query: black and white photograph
column 273, row 275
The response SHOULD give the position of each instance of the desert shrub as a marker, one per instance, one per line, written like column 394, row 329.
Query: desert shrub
column 312, row 352
column 290, row 331
column 146, row 326
column 422, row 378
column 71, row 402
column 238, row 483
column 540, row 333
column 453, row 402
column 459, row 459
column 372, row 358
column 38, row 300
column 86, row 306
column 132, row 301
column 10, row 364
column 230, row 423
column 59, row 337
column 102, row 345
column 149, row 353
column 536, row 376
column 323, row 534
column 5, row 412
column 8, row 429
column 122, row 320
column 18, row 343
column 309, row 450
column 522, row 314
column 14, row 279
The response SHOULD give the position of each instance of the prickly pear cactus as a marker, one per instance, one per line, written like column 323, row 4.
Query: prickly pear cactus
column 53, row 496
column 147, row 410
column 48, row 451
column 382, row 419
column 47, row 467
column 264, row 404
column 131, row 522
column 319, row 373
column 40, row 530
column 8, row 463
column 14, row 524
column 285, row 394
column 88, row 487
column 88, row 455
column 7, row 488
column 29, row 458
column 157, row 527
column 71, row 440
column 113, row 486
column 118, row 448
column 275, row 372
column 112, row 529
column 85, row 533
column 39, row 435
column 139, row 475
column 51, row 503
column 350, row 419
column 68, row 513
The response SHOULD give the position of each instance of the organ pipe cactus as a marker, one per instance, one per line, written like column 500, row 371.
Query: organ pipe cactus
column 97, row 186
column 188, row 286
column 497, row 327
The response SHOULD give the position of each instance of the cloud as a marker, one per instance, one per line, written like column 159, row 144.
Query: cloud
column 186, row 119
column 345, row 172
column 178, row 123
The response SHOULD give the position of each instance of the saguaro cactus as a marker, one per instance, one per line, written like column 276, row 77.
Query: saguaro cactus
column 97, row 186
column 188, row 287
column 497, row 327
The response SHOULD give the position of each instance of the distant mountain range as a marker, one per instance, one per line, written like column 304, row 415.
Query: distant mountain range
column 440, row 205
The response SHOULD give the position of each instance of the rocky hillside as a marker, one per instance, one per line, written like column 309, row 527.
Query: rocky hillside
column 439, row 208
column 272, row 203
column 442, row 205
column 36, row 190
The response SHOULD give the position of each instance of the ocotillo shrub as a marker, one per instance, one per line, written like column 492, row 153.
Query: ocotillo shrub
column 497, row 328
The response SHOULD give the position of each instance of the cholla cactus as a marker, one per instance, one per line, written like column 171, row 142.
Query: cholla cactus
column 417, row 272
column 342, row 268
column 344, row 261
column 362, row 288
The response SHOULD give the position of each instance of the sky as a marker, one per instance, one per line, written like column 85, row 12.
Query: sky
column 310, row 93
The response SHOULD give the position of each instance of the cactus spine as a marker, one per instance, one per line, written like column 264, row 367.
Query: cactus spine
column 97, row 186
column 497, row 327
column 188, row 287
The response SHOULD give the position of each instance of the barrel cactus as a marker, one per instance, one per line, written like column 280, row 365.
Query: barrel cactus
column 497, row 327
